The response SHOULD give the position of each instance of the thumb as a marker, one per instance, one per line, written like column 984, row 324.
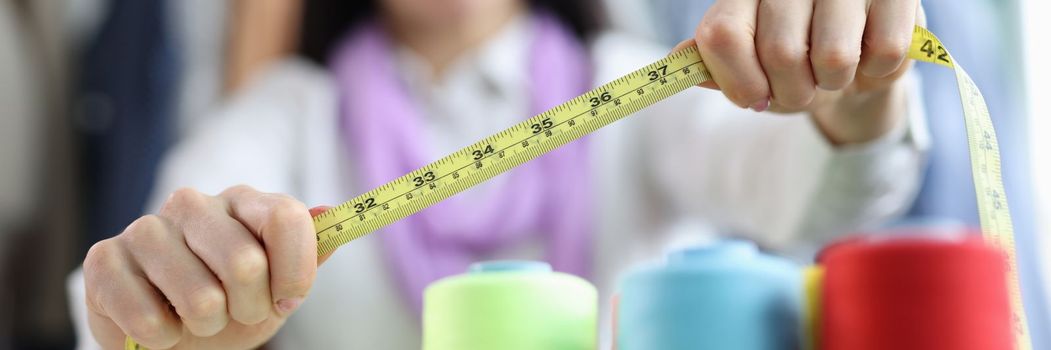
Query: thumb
column 315, row 211
column 710, row 84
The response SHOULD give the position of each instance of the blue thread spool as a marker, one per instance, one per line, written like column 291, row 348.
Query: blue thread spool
column 726, row 295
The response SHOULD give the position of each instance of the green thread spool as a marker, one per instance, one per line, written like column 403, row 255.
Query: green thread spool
column 510, row 305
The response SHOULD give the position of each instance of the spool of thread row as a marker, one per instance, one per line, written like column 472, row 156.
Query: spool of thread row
column 512, row 305
column 914, row 293
column 726, row 295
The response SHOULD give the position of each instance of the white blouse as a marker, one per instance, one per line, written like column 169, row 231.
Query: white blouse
column 680, row 171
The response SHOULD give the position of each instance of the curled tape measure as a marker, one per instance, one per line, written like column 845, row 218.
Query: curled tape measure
column 611, row 102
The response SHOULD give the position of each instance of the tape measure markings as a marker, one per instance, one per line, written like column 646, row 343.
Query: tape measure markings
column 387, row 187
column 993, row 211
column 984, row 151
column 424, row 199
column 524, row 141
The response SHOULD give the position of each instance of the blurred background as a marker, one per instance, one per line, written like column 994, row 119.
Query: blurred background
column 92, row 93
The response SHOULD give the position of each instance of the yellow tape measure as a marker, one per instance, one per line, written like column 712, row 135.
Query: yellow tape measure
column 611, row 102
column 984, row 150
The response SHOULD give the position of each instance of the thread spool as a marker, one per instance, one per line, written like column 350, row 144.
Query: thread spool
column 813, row 281
column 907, row 293
column 726, row 295
column 514, row 305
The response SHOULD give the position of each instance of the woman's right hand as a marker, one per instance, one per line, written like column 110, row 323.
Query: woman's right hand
column 206, row 272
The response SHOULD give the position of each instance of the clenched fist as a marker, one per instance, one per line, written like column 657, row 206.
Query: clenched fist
column 839, row 60
column 206, row 272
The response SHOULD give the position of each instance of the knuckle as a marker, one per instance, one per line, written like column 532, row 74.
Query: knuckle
column 836, row 58
column 151, row 328
column 720, row 33
column 746, row 92
column 205, row 303
column 146, row 223
column 285, row 209
column 101, row 263
column 148, row 229
column 184, row 199
column 887, row 48
column 102, row 256
column 248, row 265
column 242, row 188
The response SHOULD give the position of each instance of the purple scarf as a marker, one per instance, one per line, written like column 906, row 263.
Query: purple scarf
column 382, row 128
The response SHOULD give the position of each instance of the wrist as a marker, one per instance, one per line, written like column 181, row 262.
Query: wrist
column 855, row 117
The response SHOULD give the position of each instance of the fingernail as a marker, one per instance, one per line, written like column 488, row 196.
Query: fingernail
column 761, row 105
column 315, row 211
column 286, row 306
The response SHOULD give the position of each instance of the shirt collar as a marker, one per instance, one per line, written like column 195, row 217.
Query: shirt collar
column 501, row 62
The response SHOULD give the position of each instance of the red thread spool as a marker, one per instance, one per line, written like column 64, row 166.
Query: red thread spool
column 908, row 293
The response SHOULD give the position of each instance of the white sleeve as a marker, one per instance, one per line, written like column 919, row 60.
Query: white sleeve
column 79, row 311
column 774, row 178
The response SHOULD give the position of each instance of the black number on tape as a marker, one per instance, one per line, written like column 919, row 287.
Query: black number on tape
column 603, row 97
column 360, row 207
column 929, row 48
column 480, row 153
column 659, row 72
column 422, row 179
column 541, row 126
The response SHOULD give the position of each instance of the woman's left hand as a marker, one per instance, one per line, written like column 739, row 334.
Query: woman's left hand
column 839, row 60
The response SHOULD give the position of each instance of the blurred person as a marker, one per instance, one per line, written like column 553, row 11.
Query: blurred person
column 18, row 126
column 129, row 68
column 147, row 73
column 402, row 82
column 37, row 196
